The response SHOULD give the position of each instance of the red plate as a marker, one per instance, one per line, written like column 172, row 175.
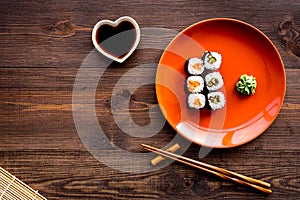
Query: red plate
column 245, row 50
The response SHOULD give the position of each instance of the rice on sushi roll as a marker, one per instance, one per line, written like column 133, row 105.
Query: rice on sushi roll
column 194, row 84
column 216, row 100
column 212, row 60
column 214, row 81
column 194, row 66
column 196, row 101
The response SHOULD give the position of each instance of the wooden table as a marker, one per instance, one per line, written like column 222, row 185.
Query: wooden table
column 43, row 45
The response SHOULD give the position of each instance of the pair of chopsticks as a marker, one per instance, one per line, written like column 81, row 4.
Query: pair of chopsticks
column 223, row 173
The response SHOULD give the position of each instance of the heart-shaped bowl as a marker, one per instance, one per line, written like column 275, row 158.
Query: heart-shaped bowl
column 118, row 39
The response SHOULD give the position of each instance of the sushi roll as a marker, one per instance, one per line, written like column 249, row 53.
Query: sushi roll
column 216, row 100
column 196, row 101
column 212, row 60
column 194, row 84
column 194, row 66
column 214, row 81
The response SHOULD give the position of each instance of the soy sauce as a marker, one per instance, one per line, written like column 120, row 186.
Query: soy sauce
column 117, row 40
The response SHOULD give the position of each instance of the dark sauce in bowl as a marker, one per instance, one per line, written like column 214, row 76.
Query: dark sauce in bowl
column 116, row 41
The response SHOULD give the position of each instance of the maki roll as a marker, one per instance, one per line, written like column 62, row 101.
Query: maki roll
column 194, row 66
column 216, row 100
column 196, row 101
column 214, row 81
column 212, row 60
column 194, row 84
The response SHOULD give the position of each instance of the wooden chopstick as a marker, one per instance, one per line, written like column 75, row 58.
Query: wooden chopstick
column 223, row 173
column 160, row 158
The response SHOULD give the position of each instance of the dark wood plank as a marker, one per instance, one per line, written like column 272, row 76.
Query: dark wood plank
column 45, row 103
column 43, row 44
column 45, row 31
column 83, row 177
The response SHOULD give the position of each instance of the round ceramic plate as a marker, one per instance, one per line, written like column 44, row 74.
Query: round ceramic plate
column 244, row 50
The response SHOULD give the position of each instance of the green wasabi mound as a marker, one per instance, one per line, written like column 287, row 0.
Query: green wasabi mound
column 246, row 85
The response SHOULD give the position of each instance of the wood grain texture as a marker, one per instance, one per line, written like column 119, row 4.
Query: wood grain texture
column 42, row 46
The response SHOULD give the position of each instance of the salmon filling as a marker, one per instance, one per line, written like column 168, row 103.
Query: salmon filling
column 193, row 85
